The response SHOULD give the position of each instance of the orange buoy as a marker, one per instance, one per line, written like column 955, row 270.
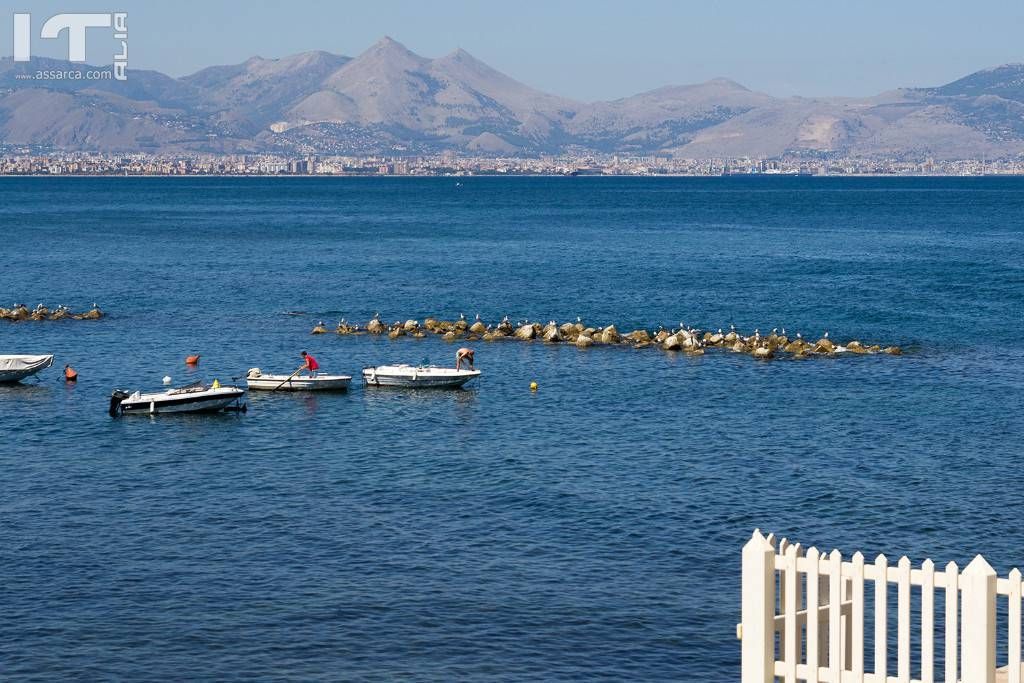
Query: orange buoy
column 70, row 374
column 192, row 360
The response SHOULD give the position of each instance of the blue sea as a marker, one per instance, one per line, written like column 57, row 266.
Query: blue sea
column 588, row 531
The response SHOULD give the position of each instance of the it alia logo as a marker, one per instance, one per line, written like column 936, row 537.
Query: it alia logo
column 76, row 24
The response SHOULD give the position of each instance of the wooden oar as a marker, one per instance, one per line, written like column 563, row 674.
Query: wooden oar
column 287, row 380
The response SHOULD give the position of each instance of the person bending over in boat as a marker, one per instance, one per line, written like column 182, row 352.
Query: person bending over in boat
column 311, row 365
column 464, row 354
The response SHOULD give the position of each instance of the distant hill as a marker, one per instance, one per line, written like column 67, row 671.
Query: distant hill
column 389, row 100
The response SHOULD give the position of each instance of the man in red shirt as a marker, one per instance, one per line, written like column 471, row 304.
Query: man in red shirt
column 311, row 365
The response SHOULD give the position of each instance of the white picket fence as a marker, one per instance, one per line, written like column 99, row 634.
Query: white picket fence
column 784, row 637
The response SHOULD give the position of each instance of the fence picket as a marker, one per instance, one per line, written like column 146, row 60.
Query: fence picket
column 903, row 620
column 823, row 598
column 812, row 615
column 792, row 642
column 847, row 614
column 835, row 594
column 881, row 587
column 1013, row 647
column 978, row 625
column 783, row 547
column 927, row 622
column 799, row 596
column 952, row 627
column 758, row 611
column 857, row 595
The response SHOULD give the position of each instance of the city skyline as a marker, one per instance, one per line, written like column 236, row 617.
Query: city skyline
column 597, row 51
column 15, row 162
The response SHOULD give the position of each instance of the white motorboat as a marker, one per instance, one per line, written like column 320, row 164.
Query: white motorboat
column 194, row 398
column 258, row 380
column 16, row 368
column 417, row 376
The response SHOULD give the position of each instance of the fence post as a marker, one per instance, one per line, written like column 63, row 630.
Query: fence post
column 857, row 617
column 813, row 626
column 951, row 629
column 978, row 634
column 758, row 611
column 881, row 618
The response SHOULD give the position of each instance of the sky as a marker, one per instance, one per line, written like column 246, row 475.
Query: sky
column 586, row 50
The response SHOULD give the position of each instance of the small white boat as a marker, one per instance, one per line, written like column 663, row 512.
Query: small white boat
column 413, row 376
column 257, row 380
column 16, row 368
column 194, row 398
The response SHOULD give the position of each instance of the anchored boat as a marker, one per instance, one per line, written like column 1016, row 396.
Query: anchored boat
column 418, row 377
column 257, row 380
column 194, row 398
column 16, row 368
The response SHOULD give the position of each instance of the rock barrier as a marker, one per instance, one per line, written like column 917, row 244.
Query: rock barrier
column 21, row 313
column 686, row 340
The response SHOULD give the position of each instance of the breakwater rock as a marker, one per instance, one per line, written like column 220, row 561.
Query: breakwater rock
column 683, row 339
column 21, row 313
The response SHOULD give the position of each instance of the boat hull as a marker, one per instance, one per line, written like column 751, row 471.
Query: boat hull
column 417, row 378
column 212, row 401
column 300, row 383
column 16, row 368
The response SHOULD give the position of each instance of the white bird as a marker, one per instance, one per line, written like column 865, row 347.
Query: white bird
column 461, row 316
column 826, row 334
column 478, row 317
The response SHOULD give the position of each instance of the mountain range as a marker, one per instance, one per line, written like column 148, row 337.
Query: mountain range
column 389, row 100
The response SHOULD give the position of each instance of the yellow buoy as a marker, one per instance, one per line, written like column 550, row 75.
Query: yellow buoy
column 533, row 386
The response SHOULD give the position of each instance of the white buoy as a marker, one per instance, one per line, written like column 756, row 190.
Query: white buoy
column 167, row 379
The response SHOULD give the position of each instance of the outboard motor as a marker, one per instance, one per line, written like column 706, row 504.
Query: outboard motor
column 115, row 402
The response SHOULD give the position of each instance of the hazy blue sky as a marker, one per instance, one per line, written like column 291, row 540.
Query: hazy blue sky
column 586, row 50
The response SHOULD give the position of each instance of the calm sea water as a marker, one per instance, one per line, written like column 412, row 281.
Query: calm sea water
column 590, row 531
